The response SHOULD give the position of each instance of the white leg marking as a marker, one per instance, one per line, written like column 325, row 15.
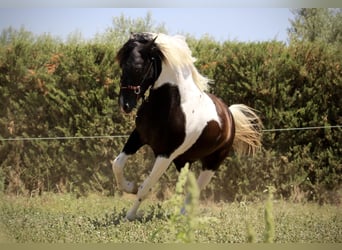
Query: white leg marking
column 204, row 178
column 118, row 166
column 159, row 167
column 202, row 181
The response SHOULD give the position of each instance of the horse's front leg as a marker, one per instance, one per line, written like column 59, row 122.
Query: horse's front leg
column 158, row 169
column 131, row 147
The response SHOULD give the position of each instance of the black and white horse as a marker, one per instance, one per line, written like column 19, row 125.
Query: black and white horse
column 178, row 119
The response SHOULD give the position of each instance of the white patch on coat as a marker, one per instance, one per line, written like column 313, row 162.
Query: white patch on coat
column 197, row 106
column 118, row 166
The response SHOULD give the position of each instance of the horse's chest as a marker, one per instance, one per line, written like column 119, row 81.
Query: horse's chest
column 161, row 107
column 160, row 120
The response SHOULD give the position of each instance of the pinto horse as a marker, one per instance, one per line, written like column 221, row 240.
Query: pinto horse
column 179, row 120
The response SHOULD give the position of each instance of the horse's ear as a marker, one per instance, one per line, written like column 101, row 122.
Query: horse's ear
column 150, row 45
column 154, row 39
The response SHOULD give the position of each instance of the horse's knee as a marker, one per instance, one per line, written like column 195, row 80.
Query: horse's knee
column 117, row 166
column 130, row 187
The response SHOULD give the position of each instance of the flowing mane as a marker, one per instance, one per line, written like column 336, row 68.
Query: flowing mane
column 178, row 54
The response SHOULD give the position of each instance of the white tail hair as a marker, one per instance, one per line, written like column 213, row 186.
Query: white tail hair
column 248, row 128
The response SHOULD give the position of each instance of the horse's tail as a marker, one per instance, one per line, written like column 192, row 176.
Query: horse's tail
column 248, row 128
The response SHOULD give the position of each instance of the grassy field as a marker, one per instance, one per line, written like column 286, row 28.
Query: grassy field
column 51, row 218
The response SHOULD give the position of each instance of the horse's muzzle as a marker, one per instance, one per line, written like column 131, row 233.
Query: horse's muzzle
column 127, row 104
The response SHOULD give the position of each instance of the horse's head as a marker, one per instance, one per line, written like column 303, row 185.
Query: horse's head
column 140, row 62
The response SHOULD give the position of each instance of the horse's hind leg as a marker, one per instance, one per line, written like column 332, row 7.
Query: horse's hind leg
column 131, row 147
column 204, row 178
column 202, row 181
column 209, row 166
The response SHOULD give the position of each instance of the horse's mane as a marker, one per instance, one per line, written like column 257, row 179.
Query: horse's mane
column 178, row 54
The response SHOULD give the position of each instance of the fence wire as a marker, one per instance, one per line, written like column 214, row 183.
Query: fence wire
column 125, row 136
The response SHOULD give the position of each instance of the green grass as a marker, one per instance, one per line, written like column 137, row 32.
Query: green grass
column 65, row 218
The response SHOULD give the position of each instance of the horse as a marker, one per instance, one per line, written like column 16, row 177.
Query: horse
column 179, row 119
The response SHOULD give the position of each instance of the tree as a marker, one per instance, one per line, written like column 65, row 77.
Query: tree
column 312, row 24
column 123, row 26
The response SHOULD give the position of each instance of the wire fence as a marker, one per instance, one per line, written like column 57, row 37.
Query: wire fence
column 125, row 136
column 302, row 128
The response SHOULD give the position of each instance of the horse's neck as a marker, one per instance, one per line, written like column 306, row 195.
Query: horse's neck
column 167, row 75
column 182, row 78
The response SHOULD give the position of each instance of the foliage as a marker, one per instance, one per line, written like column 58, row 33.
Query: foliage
column 57, row 218
column 269, row 220
column 50, row 88
column 322, row 24
column 123, row 26
column 183, row 222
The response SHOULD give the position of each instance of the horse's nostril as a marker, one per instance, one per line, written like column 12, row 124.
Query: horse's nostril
column 127, row 107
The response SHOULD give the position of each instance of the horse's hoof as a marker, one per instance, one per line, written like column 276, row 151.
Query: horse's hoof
column 130, row 217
